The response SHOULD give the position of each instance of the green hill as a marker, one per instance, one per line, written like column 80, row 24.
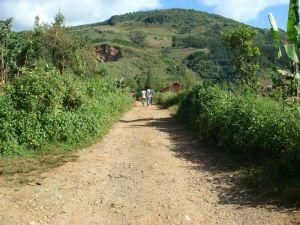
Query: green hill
column 162, row 46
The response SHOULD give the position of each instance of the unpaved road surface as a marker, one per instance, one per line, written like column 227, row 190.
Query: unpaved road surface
column 146, row 171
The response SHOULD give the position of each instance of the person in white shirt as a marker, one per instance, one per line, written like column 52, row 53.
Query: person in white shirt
column 144, row 93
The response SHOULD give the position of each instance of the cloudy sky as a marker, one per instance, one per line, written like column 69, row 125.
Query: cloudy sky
column 252, row 12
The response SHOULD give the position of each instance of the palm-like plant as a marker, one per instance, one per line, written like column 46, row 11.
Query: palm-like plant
column 291, row 47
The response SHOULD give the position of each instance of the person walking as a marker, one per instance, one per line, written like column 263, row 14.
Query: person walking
column 149, row 96
column 144, row 93
column 152, row 96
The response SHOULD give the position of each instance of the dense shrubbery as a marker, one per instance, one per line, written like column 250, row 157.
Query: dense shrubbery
column 209, row 68
column 247, row 125
column 42, row 107
column 191, row 41
column 138, row 38
column 50, row 90
column 168, row 99
column 177, row 18
column 255, row 124
column 250, row 128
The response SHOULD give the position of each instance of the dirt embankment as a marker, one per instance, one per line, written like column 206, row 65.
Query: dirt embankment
column 147, row 170
column 107, row 53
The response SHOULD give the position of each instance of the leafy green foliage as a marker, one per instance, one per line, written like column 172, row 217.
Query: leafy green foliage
column 293, row 21
column 243, row 124
column 138, row 38
column 293, row 31
column 59, row 19
column 61, row 46
column 156, row 19
column 54, row 44
column 169, row 99
column 13, row 51
column 241, row 44
column 193, row 41
column 275, row 33
column 209, row 68
column 177, row 18
column 43, row 107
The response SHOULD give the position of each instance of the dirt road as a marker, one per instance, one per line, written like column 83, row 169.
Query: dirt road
column 146, row 171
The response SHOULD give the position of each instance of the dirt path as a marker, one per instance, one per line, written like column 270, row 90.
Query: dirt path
column 147, row 170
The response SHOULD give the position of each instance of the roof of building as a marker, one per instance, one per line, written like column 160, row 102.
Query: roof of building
column 175, row 83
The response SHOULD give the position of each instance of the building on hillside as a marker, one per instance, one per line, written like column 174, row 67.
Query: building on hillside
column 173, row 88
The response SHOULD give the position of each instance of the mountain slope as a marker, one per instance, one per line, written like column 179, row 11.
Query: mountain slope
column 171, row 45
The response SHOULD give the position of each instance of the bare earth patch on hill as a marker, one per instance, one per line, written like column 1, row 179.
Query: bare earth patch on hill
column 147, row 170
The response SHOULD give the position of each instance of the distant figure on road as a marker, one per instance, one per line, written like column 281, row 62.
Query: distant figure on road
column 149, row 96
column 144, row 93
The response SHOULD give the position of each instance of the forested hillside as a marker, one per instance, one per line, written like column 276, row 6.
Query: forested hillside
column 178, row 45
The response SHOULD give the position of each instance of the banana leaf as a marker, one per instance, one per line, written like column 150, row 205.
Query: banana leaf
column 297, row 12
column 297, row 77
column 275, row 34
column 293, row 22
column 291, row 52
column 297, row 26
column 298, row 36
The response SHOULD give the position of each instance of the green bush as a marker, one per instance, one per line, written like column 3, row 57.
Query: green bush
column 247, row 125
column 38, row 91
column 8, row 133
column 43, row 107
column 168, row 99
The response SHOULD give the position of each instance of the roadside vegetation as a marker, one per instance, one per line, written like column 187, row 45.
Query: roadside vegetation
column 252, row 129
column 260, row 134
column 42, row 107
column 54, row 97
column 260, row 131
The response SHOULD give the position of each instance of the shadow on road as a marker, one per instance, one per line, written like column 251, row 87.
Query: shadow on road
column 137, row 120
column 225, row 174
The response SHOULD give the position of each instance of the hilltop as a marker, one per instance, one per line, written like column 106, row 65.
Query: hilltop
column 162, row 46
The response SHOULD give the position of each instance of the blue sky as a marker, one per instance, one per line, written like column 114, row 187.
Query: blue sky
column 253, row 12
column 280, row 11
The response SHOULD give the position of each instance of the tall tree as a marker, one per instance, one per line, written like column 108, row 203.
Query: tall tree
column 61, row 43
column 244, row 53
column 37, row 39
column 59, row 19
column 5, row 35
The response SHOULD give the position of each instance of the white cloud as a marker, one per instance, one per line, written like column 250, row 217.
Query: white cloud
column 242, row 10
column 75, row 11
